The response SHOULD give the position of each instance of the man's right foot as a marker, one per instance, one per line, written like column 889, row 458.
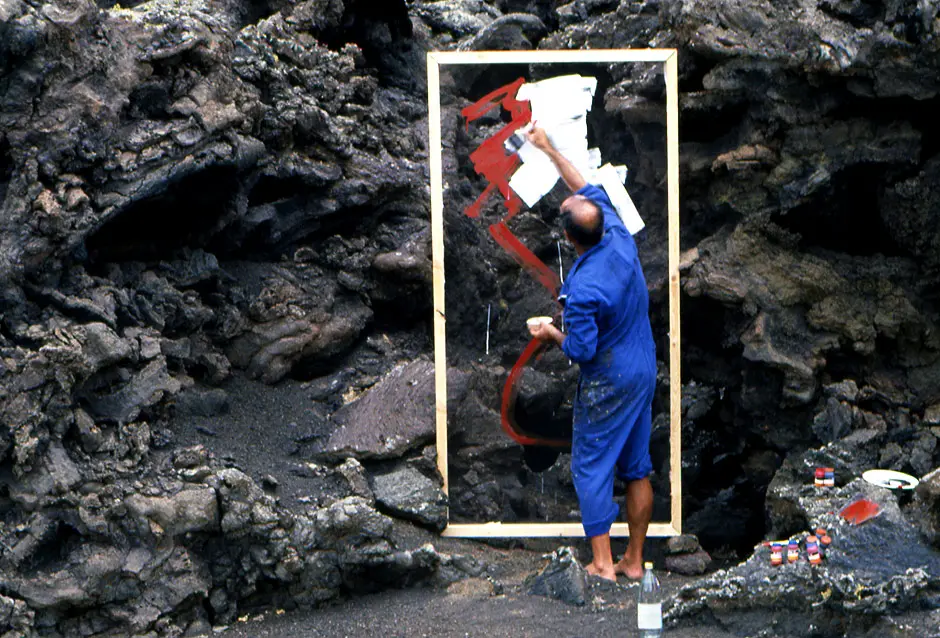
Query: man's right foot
column 631, row 571
column 608, row 573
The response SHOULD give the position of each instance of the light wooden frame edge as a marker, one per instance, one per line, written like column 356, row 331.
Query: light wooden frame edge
column 669, row 58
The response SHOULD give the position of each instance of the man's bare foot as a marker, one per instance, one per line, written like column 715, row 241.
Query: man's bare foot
column 604, row 572
column 633, row 572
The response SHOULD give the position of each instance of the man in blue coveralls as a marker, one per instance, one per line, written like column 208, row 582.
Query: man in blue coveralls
column 606, row 306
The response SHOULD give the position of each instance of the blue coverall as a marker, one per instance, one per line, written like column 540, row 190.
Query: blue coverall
column 606, row 315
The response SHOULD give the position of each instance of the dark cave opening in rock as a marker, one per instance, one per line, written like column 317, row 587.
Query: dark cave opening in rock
column 725, row 477
column 709, row 352
column 6, row 168
column 255, row 10
column 403, row 311
column 383, row 31
column 311, row 368
column 846, row 218
column 726, row 466
column 281, row 213
column 704, row 126
column 846, row 363
column 151, row 100
column 861, row 14
column 285, row 212
column 54, row 547
column 126, row 4
column 692, row 72
column 544, row 9
column 6, row 503
column 184, row 215
column 266, row 592
column 270, row 189
column 921, row 114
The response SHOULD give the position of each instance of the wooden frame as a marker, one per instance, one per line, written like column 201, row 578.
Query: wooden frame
column 669, row 59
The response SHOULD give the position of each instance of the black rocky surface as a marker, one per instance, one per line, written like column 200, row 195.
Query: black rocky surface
column 215, row 293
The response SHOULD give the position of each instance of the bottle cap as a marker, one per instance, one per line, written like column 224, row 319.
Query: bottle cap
column 811, row 539
column 648, row 565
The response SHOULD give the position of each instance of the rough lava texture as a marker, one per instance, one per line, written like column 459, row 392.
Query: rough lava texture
column 215, row 289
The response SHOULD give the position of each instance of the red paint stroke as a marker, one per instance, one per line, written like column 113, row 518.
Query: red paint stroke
column 511, row 389
column 526, row 258
column 491, row 161
column 860, row 511
column 504, row 96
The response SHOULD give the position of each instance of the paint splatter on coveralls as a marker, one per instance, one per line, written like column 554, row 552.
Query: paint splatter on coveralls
column 608, row 333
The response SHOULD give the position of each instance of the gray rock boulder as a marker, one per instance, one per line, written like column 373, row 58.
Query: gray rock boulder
column 562, row 578
column 682, row 544
column 407, row 493
column 928, row 504
column 189, row 510
column 692, row 564
column 393, row 417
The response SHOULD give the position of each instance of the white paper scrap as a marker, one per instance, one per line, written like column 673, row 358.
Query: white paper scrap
column 621, row 173
column 620, row 198
column 568, row 134
column 558, row 98
column 559, row 106
column 594, row 159
column 533, row 180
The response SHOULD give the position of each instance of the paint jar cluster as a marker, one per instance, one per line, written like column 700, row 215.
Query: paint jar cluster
column 815, row 547
column 825, row 477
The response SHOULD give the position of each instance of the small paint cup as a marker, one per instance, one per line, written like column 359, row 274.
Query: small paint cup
column 534, row 321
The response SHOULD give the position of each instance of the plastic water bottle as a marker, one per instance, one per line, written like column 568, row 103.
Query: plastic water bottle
column 649, row 605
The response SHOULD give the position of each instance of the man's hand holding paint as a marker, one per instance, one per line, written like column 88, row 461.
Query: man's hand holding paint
column 571, row 176
column 544, row 331
column 539, row 139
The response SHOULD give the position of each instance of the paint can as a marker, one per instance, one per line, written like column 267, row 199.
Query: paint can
column 793, row 551
column 812, row 550
column 820, row 479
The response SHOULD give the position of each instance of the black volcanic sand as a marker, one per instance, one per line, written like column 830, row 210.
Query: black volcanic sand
column 263, row 432
column 470, row 609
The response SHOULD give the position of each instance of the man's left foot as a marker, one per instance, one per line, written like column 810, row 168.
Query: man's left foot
column 606, row 573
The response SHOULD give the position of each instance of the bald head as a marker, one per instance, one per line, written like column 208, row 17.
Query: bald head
column 583, row 221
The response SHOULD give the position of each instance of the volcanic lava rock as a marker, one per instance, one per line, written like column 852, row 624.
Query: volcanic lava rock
column 195, row 191
column 876, row 567
column 928, row 496
column 393, row 417
column 562, row 578
column 684, row 555
column 407, row 493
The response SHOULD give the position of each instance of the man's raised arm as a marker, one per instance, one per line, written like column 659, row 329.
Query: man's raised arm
column 571, row 176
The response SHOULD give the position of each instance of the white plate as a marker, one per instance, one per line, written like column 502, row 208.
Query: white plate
column 534, row 321
column 890, row 479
